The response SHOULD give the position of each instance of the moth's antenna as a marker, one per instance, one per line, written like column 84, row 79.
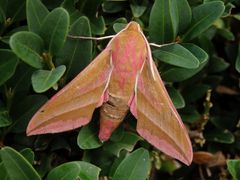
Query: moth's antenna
column 90, row 38
column 161, row 45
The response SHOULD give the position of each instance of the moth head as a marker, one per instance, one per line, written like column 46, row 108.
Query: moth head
column 133, row 26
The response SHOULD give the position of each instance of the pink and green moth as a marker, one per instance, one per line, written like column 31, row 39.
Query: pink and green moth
column 122, row 77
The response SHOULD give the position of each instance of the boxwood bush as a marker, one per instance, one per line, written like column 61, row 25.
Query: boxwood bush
column 200, row 70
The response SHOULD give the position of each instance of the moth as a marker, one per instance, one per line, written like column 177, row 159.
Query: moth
column 122, row 78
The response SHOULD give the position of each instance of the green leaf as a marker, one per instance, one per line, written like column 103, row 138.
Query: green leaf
column 233, row 166
column 227, row 34
column 3, row 172
column 228, row 9
column 190, row 114
column 176, row 55
column 127, row 142
column 224, row 121
column 135, row 166
column 176, row 97
column 163, row 22
column 65, row 171
column 36, row 12
column 76, row 53
column 24, row 110
column 21, row 80
column 42, row 80
column 28, row 46
column 89, row 9
column 8, row 64
column 87, row 138
column 184, row 14
column 169, row 166
column 119, row 26
column 97, row 25
column 213, row 80
column 16, row 10
column 138, row 7
column 2, row 14
column 75, row 170
column 28, row 154
column 5, row 119
column 193, row 92
column 220, row 136
column 116, row 163
column 54, row 30
column 204, row 16
column 17, row 166
column 218, row 64
column 113, row 6
column 177, row 74
column 237, row 64
column 236, row 16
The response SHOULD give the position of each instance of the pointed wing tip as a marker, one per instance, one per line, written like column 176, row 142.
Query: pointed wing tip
column 30, row 131
column 188, row 160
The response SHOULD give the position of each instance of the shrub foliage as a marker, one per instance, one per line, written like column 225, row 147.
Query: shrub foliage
column 201, row 73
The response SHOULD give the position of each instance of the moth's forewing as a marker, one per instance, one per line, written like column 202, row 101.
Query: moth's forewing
column 73, row 105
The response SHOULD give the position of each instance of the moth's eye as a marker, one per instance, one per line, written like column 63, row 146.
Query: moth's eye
column 42, row 111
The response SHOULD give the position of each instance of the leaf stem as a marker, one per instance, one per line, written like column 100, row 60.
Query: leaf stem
column 207, row 106
column 48, row 59
column 9, row 93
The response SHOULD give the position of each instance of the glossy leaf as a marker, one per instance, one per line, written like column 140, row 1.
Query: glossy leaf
column 225, row 33
column 218, row 64
column 5, row 119
column 127, row 142
column 190, row 114
column 36, row 12
column 74, row 170
column 28, row 154
column 119, row 26
column 42, row 80
column 176, row 97
column 237, row 63
column 113, row 6
column 220, row 136
column 24, row 110
column 176, row 55
column 3, row 172
column 226, row 121
column 135, row 166
column 163, row 22
column 89, row 9
column 54, row 30
column 233, row 166
column 21, row 80
column 138, row 7
column 97, row 25
column 76, row 53
column 16, row 165
column 116, row 163
column 87, row 138
column 182, row 73
column 195, row 91
column 184, row 14
column 228, row 9
column 28, row 47
column 203, row 17
column 8, row 64
column 16, row 10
